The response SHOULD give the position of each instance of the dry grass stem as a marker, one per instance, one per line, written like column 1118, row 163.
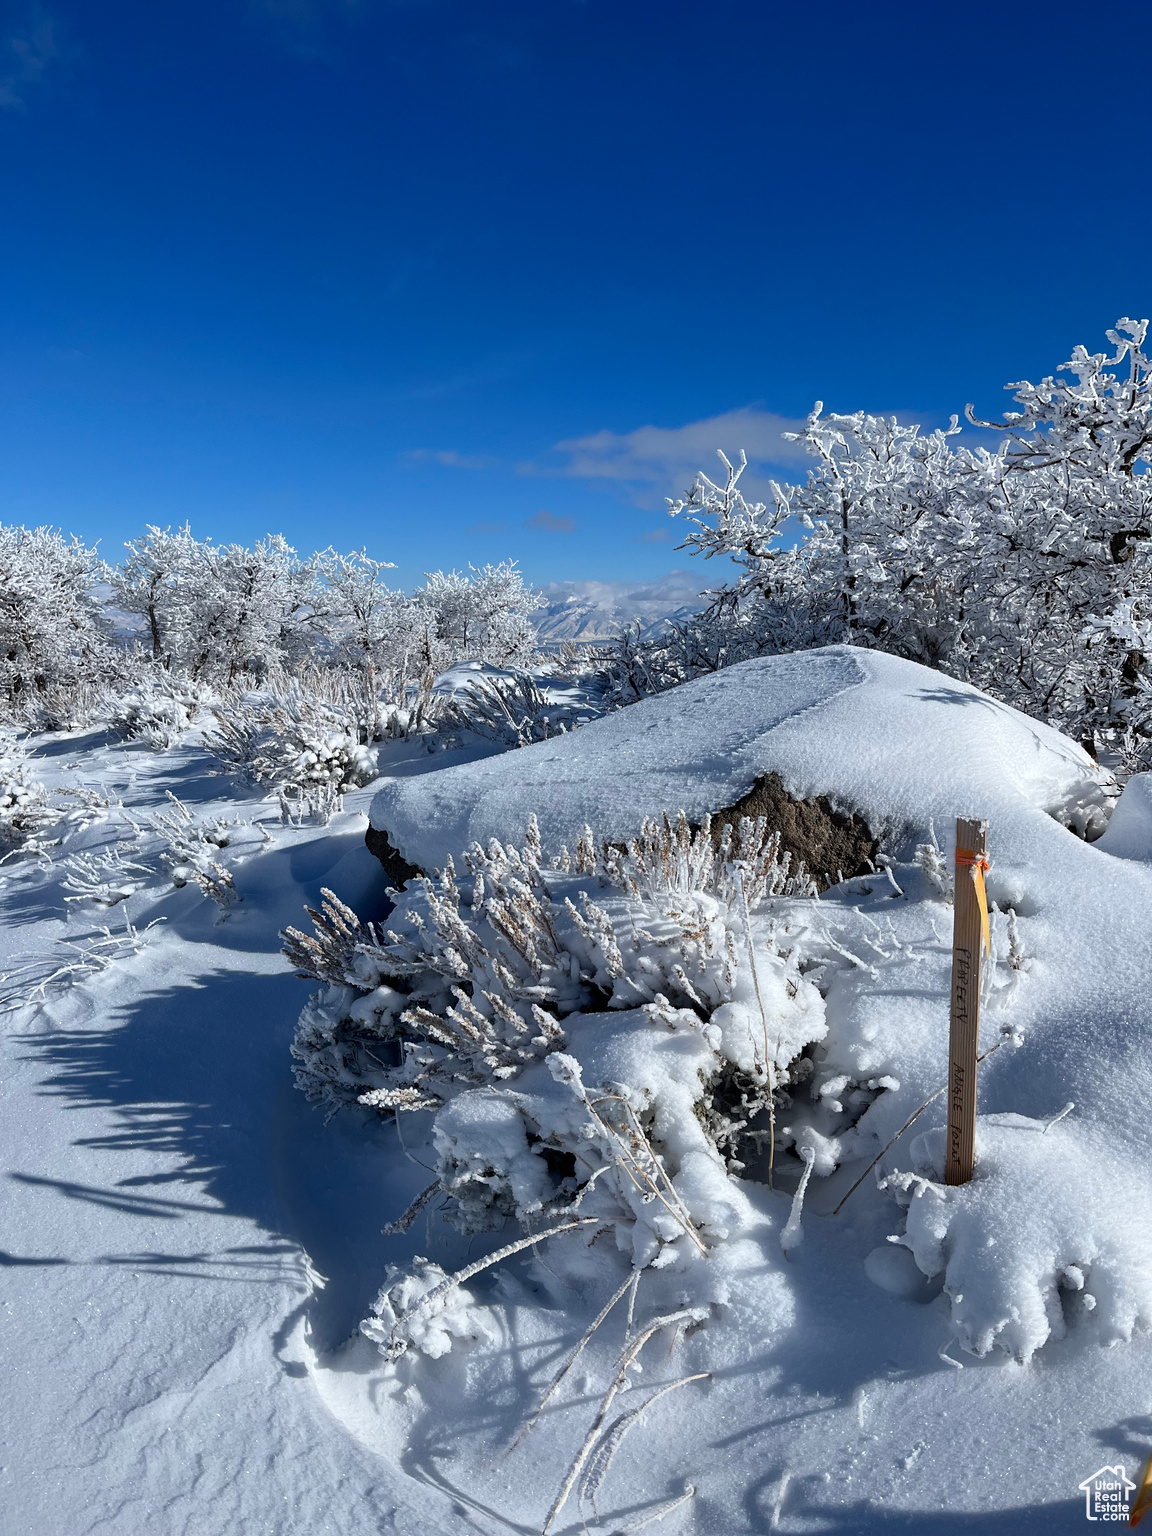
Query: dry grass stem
column 601, row 1459
column 623, row 1365
column 630, row 1283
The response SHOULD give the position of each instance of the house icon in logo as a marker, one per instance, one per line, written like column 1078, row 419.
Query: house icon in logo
column 1107, row 1494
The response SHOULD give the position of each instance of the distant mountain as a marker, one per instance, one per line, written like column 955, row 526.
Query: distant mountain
column 599, row 610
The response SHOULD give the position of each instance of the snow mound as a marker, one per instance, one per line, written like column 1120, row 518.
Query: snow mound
column 1129, row 834
column 1053, row 1228
column 894, row 741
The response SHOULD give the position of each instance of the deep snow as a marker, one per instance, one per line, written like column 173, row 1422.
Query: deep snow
column 188, row 1246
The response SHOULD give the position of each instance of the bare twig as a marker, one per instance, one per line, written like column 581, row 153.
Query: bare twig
column 403, row 1222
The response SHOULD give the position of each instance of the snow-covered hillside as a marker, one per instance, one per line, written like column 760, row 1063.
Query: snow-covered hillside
column 196, row 1278
column 599, row 610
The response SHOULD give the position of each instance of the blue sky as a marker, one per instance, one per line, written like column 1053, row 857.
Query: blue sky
column 464, row 281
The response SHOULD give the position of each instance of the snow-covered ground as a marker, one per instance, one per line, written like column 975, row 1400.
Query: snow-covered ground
column 188, row 1247
column 170, row 1201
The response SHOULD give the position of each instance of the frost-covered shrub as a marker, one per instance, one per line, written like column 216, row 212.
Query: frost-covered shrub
column 66, row 706
column 32, row 816
column 103, row 879
column 513, row 711
column 595, row 1040
column 315, row 806
column 595, row 1014
column 190, row 850
column 159, row 709
column 287, row 738
column 26, row 807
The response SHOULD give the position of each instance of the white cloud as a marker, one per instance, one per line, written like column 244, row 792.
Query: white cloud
column 667, row 459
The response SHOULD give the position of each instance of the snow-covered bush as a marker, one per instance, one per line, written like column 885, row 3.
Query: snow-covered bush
column 606, row 1040
column 510, row 710
column 158, row 709
column 69, row 706
column 190, row 848
column 71, row 961
column 26, row 807
column 53, row 646
column 570, row 1018
column 289, row 738
column 33, row 816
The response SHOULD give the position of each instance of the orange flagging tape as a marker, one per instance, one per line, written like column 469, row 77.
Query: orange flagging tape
column 977, row 864
column 1143, row 1496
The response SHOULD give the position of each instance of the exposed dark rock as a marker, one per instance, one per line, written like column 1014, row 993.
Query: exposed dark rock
column 396, row 867
column 829, row 842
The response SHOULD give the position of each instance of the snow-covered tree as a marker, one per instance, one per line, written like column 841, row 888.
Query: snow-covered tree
column 484, row 616
column 1024, row 569
column 363, row 619
column 152, row 582
column 51, row 633
column 218, row 611
column 1068, row 520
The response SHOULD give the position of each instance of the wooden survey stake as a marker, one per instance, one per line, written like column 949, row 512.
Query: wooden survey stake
column 968, row 938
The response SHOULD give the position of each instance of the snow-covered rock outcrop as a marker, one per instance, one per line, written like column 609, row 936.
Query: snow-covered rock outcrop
column 892, row 740
column 1055, row 1226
